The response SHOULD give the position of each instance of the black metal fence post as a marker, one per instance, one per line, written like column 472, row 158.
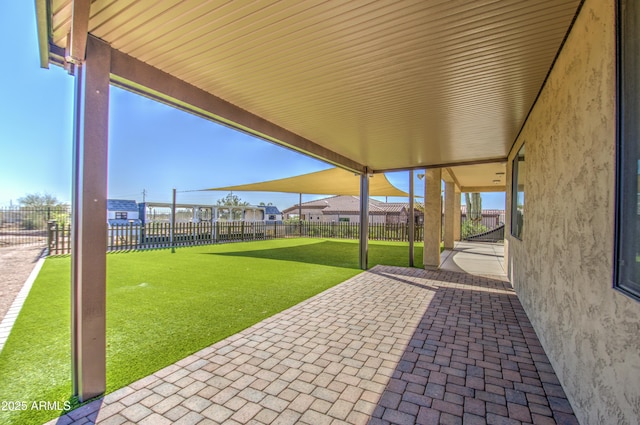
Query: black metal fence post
column 51, row 228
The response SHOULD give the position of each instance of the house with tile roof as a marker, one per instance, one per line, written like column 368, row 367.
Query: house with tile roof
column 347, row 209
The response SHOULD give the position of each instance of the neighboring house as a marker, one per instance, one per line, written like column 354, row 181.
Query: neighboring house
column 160, row 212
column 121, row 211
column 347, row 209
column 272, row 214
column 343, row 208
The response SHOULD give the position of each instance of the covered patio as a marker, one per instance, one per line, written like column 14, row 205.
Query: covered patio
column 391, row 345
column 171, row 53
column 459, row 89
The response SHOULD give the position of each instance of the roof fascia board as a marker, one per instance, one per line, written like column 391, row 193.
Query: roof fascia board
column 136, row 76
column 42, row 27
column 56, row 57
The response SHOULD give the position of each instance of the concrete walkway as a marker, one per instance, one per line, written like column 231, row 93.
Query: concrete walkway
column 391, row 345
column 476, row 258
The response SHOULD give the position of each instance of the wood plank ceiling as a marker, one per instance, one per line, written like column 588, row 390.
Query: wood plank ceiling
column 388, row 84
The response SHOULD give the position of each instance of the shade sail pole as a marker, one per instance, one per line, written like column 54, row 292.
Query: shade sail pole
column 89, row 224
column 173, row 222
column 364, row 221
column 300, row 215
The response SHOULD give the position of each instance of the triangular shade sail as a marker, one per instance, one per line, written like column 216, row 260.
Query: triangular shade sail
column 334, row 181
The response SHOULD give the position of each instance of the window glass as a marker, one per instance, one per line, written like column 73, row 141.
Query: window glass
column 517, row 198
column 628, row 158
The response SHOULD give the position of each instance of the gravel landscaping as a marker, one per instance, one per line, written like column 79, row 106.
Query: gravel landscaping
column 16, row 263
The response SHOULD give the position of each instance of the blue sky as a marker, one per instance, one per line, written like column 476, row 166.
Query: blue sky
column 152, row 147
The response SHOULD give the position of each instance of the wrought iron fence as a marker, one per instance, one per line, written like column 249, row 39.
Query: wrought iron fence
column 160, row 235
column 484, row 225
column 28, row 226
column 50, row 226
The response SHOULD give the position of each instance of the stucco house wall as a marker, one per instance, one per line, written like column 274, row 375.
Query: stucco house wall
column 562, row 269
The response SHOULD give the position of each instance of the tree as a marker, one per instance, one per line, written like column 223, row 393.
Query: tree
column 231, row 200
column 474, row 207
column 37, row 209
column 262, row 204
column 470, row 228
column 36, row 200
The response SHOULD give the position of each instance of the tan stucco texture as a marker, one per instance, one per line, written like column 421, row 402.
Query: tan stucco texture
column 562, row 269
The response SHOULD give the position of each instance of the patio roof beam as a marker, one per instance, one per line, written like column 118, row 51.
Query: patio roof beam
column 445, row 165
column 448, row 175
column 77, row 48
column 136, row 76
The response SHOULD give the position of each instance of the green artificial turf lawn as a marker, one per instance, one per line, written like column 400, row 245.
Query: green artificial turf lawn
column 162, row 307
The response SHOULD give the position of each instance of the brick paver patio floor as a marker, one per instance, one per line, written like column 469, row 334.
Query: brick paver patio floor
column 391, row 345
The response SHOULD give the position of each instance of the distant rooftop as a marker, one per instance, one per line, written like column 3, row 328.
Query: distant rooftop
column 270, row 209
column 121, row 205
column 346, row 203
